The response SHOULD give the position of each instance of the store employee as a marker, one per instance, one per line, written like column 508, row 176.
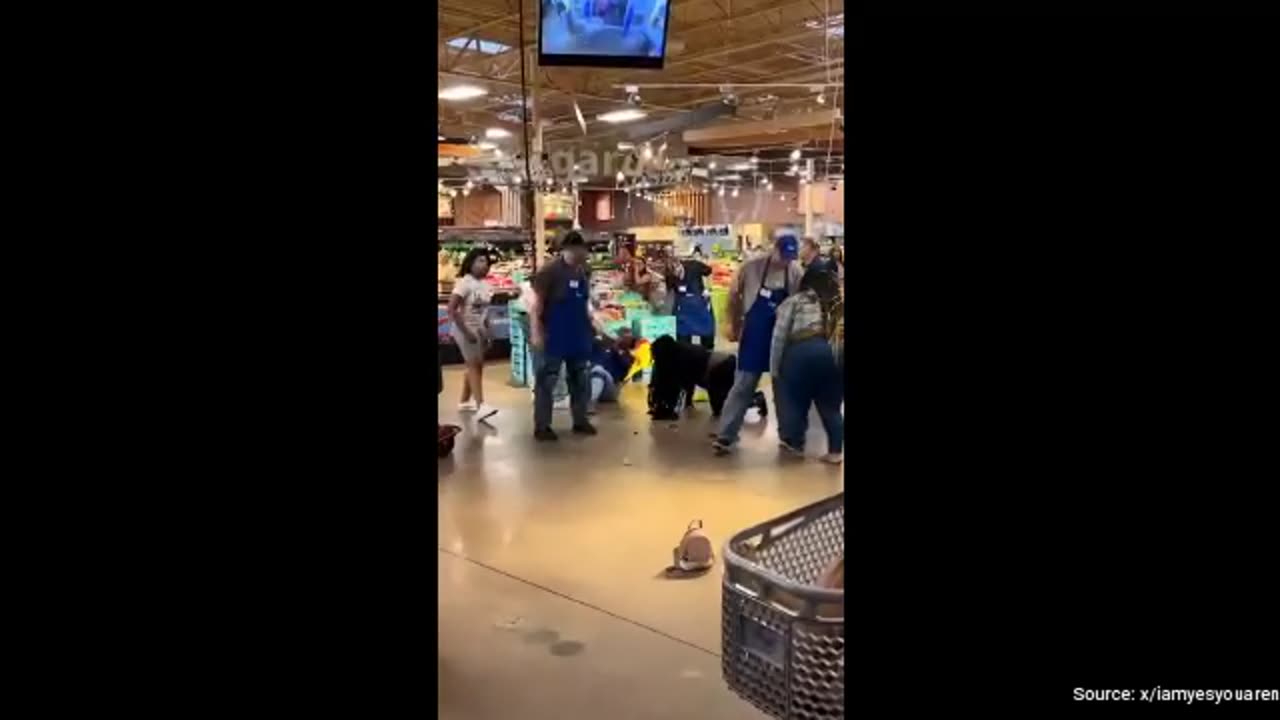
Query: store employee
column 692, row 306
column 563, row 328
column 762, row 283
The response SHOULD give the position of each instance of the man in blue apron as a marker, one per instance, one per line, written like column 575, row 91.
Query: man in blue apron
column 563, row 330
column 761, row 285
column 692, row 308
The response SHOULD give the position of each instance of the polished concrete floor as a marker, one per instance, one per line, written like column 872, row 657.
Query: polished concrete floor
column 553, row 599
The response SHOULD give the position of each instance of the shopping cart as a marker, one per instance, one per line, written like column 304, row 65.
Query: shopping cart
column 783, row 637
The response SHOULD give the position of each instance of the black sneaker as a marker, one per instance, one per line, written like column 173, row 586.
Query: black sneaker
column 758, row 402
column 545, row 435
column 584, row 429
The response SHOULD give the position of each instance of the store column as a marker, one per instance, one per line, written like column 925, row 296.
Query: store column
column 539, row 216
column 808, row 198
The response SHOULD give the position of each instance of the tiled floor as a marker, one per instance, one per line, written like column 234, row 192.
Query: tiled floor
column 553, row 599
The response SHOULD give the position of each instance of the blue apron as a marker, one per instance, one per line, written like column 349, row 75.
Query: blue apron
column 757, row 327
column 693, row 311
column 568, row 329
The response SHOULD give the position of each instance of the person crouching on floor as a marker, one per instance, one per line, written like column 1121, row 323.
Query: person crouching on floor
column 679, row 368
column 610, row 361
column 803, row 364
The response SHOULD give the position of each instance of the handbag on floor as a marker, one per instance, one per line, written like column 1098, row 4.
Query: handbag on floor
column 694, row 551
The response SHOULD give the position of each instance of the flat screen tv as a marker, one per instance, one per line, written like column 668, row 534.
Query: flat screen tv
column 604, row 33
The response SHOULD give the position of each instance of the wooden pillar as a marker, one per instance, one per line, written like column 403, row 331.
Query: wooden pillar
column 539, row 215
column 808, row 199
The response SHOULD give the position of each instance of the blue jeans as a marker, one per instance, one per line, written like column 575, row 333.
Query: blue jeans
column 561, row 389
column 603, row 388
column 738, row 402
column 548, row 375
column 809, row 376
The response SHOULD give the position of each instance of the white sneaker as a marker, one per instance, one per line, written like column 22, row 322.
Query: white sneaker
column 833, row 458
column 484, row 411
column 468, row 406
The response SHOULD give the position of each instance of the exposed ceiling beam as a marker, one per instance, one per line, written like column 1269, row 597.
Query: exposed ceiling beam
column 514, row 17
column 709, row 25
column 567, row 93
column 805, row 75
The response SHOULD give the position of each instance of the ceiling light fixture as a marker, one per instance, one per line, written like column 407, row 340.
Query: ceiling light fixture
column 462, row 92
column 735, row 192
column 621, row 116
column 795, row 154
column 497, row 132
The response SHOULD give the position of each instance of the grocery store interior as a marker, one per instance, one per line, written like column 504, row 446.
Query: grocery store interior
column 559, row 595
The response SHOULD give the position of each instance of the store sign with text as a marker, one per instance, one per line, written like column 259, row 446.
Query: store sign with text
column 706, row 237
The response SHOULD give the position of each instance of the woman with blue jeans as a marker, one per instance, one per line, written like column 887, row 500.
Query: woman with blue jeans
column 803, row 364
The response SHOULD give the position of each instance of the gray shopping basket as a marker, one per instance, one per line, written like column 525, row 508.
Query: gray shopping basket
column 783, row 637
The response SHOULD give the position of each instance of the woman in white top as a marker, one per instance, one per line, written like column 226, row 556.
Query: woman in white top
column 469, row 313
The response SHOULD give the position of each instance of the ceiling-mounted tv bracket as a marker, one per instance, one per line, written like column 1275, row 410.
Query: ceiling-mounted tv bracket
column 633, row 95
column 727, row 96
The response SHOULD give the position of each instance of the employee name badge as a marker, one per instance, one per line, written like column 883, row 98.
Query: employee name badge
column 766, row 293
column 573, row 284
column 682, row 288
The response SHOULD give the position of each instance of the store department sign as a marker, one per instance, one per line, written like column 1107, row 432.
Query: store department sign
column 591, row 164
column 701, row 231
column 706, row 237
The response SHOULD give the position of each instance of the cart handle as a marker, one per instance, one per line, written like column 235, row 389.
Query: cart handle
column 732, row 558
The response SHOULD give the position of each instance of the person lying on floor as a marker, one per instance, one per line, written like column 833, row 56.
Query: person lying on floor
column 679, row 368
column 610, row 361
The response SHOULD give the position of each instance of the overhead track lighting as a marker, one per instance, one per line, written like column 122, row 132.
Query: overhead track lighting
column 462, row 92
column 615, row 117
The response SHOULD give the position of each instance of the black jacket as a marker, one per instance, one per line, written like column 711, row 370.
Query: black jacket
column 677, row 366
